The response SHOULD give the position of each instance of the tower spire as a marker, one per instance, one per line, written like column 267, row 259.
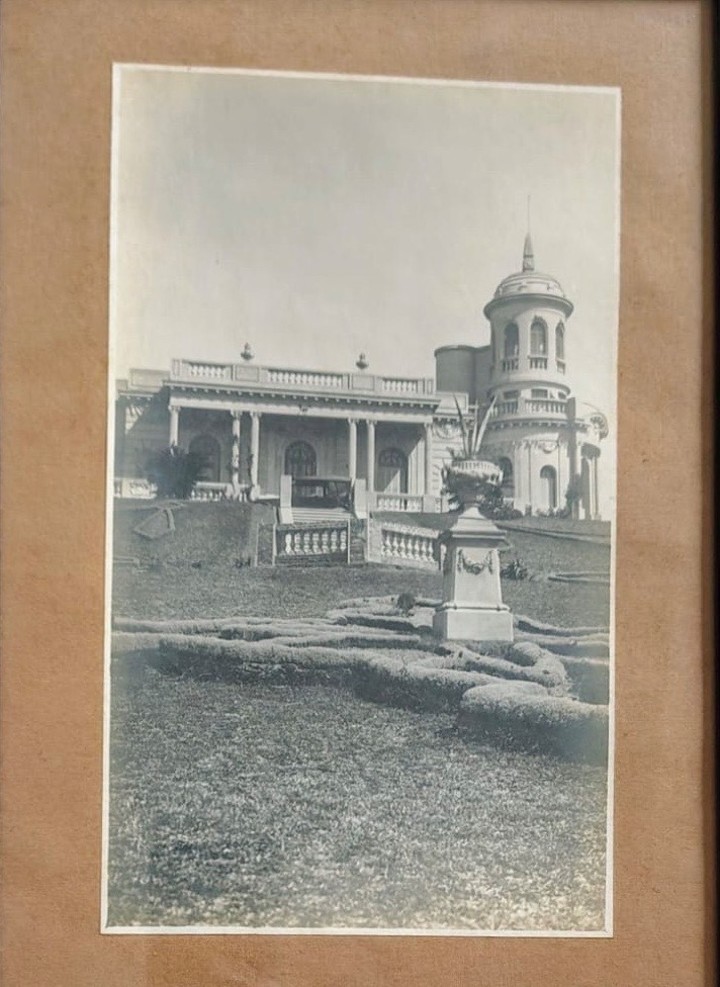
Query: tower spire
column 528, row 255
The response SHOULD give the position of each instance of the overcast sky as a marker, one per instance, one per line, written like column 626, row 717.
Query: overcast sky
column 317, row 217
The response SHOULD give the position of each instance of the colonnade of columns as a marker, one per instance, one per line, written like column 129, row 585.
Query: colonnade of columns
column 255, row 418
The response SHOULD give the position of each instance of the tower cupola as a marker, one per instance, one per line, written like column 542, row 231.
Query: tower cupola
column 528, row 315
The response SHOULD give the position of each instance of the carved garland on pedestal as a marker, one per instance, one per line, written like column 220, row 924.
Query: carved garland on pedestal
column 464, row 564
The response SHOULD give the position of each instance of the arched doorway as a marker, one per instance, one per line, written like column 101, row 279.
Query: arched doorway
column 392, row 472
column 548, row 485
column 207, row 448
column 508, row 480
column 300, row 459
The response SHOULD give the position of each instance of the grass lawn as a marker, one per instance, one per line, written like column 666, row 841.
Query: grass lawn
column 268, row 805
column 221, row 590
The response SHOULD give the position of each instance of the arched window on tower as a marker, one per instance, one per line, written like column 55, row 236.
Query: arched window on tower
column 300, row 459
column 508, row 481
column 548, row 483
column 560, row 345
column 392, row 472
column 207, row 448
column 512, row 341
column 538, row 338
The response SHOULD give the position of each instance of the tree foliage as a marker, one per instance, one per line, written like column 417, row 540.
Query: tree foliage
column 174, row 471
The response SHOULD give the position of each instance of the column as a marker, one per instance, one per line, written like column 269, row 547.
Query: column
column 235, row 461
column 596, row 492
column 371, row 460
column 352, row 448
column 174, row 424
column 530, row 478
column 428, row 450
column 254, row 447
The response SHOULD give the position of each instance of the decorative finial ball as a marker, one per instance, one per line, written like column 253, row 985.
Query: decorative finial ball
column 247, row 353
column 361, row 362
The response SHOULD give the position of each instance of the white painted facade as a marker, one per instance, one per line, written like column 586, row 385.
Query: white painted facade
column 255, row 423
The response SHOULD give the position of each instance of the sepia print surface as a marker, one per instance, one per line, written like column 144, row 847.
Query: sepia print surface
column 362, row 475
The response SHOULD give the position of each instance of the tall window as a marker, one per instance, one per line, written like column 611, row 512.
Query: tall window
column 392, row 472
column 512, row 340
column 508, row 481
column 208, row 448
column 538, row 338
column 548, row 482
column 300, row 459
column 560, row 341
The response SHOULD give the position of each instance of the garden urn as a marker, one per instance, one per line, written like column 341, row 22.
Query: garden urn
column 472, row 608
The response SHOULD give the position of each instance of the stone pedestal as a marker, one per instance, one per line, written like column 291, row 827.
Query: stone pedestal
column 472, row 607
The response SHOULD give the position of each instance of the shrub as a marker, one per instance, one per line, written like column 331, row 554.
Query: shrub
column 406, row 603
column 515, row 569
column 174, row 471
column 517, row 718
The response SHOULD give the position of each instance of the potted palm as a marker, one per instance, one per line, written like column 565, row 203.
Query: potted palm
column 467, row 477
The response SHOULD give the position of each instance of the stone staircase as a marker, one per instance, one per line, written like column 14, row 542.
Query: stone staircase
column 320, row 515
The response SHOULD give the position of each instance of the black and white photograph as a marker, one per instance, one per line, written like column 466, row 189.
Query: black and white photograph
column 361, row 505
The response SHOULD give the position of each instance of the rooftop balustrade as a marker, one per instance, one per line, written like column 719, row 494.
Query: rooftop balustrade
column 522, row 407
column 284, row 378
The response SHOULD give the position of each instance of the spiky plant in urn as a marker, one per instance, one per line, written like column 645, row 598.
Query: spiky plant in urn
column 468, row 477
column 472, row 607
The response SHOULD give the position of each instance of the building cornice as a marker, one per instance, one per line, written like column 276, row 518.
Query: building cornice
column 546, row 299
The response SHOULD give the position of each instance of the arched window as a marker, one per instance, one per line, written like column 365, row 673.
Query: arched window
column 512, row 340
column 560, row 341
column 207, row 448
column 508, row 481
column 548, row 480
column 538, row 338
column 392, row 472
column 300, row 459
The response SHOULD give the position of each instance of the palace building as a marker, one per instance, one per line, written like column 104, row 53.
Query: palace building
column 388, row 435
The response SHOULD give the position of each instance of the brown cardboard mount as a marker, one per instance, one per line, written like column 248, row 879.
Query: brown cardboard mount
column 56, row 80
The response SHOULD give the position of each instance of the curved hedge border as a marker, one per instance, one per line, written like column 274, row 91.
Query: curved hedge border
column 507, row 715
column 529, row 696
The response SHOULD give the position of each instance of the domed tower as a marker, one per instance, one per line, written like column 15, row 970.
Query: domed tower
column 530, row 433
column 528, row 314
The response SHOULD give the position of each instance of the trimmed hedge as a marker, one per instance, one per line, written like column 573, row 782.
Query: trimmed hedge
column 596, row 646
column 364, row 618
column 509, row 715
column 126, row 642
column 416, row 686
column 547, row 670
column 589, row 679
column 532, row 626
column 251, row 661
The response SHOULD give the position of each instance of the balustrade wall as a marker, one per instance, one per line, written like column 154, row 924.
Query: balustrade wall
column 221, row 373
column 325, row 542
column 405, row 545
